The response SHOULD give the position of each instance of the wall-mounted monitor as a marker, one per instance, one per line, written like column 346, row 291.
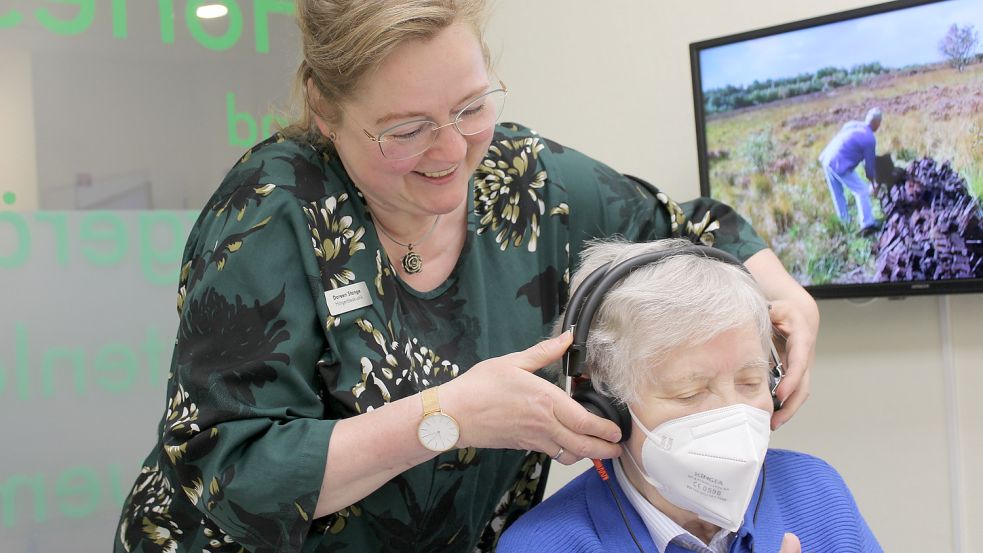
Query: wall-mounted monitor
column 854, row 144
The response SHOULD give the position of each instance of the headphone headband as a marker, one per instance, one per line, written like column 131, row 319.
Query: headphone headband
column 584, row 303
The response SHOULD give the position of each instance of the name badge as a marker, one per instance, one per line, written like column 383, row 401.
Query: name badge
column 347, row 298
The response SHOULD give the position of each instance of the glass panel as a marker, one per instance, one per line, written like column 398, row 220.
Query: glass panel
column 118, row 118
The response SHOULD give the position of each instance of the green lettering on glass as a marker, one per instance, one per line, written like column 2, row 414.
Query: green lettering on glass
column 108, row 228
column 268, row 124
column 77, row 492
column 59, row 224
column 119, row 18
column 153, row 258
column 22, row 371
column 74, row 26
column 58, row 357
column 233, row 119
column 154, row 347
column 115, row 368
column 10, row 19
column 166, row 10
column 223, row 42
column 8, row 491
column 115, row 489
column 22, row 240
column 261, row 8
column 3, row 379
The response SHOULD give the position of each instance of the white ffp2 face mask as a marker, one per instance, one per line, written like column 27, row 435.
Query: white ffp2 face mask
column 707, row 463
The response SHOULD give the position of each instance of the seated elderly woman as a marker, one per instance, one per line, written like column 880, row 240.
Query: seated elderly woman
column 696, row 473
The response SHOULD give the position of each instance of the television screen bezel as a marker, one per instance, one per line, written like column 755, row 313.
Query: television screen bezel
column 821, row 291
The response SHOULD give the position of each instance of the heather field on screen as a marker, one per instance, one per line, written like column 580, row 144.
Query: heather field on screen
column 763, row 161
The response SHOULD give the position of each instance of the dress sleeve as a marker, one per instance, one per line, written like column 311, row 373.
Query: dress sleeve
column 604, row 203
column 244, row 428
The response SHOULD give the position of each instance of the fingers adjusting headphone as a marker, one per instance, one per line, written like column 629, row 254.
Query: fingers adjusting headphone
column 580, row 313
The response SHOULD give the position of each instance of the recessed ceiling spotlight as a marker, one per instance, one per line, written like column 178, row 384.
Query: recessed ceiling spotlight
column 211, row 11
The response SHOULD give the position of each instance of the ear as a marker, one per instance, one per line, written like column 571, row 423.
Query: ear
column 313, row 99
column 322, row 126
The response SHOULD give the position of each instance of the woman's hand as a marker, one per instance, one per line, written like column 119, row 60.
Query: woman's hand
column 497, row 403
column 500, row 403
column 793, row 322
column 795, row 314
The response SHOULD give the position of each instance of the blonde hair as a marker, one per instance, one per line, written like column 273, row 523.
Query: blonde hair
column 345, row 39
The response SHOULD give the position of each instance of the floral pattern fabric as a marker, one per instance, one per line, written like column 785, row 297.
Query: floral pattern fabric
column 261, row 369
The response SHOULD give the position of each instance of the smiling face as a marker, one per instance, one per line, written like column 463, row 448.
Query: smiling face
column 422, row 79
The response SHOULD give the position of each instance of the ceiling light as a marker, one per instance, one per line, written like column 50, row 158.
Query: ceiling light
column 211, row 11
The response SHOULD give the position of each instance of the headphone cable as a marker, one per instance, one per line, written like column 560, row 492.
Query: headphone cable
column 603, row 473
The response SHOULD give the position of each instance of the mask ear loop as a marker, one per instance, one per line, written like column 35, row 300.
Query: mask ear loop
column 639, row 468
column 624, row 448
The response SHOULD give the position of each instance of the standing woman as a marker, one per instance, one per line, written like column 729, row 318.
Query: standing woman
column 361, row 300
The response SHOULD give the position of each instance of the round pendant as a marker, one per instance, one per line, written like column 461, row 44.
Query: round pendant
column 412, row 263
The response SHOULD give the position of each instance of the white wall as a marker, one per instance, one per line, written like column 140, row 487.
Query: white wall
column 17, row 159
column 87, row 314
column 613, row 80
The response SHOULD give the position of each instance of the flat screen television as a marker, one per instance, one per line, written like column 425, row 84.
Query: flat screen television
column 890, row 98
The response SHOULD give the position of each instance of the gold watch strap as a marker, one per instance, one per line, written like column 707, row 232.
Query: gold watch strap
column 431, row 404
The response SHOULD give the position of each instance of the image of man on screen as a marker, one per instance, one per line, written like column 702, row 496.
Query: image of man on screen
column 855, row 142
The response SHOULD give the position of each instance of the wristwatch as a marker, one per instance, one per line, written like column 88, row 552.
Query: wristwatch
column 437, row 431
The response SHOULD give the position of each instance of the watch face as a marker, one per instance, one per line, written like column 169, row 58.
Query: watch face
column 438, row 432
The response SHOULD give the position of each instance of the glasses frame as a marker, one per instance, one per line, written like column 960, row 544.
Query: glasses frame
column 457, row 119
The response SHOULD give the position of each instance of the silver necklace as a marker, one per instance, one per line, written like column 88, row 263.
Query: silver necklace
column 412, row 262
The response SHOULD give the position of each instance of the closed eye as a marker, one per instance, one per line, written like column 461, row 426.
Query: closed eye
column 691, row 397
column 472, row 111
column 407, row 135
column 407, row 132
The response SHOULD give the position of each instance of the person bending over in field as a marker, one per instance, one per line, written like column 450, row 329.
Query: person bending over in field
column 855, row 142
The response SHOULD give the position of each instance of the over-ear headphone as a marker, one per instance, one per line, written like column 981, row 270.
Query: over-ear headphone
column 580, row 313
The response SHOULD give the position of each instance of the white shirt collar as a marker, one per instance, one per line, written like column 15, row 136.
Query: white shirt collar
column 662, row 528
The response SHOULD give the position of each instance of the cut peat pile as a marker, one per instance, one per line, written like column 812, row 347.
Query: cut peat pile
column 932, row 225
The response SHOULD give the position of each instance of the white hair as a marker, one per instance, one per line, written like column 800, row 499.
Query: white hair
column 873, row 115
column 680, row 301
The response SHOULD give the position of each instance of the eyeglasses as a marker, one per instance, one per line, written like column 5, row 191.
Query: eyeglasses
column 411, row 139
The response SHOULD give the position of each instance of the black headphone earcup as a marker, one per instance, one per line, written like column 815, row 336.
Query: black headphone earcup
column 774, row 378
column 604, row 407
column 775, row 402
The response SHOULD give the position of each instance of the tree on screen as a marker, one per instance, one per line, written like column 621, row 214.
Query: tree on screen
column 959, row 45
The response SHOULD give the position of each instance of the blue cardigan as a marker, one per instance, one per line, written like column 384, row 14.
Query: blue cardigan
column 795, row 493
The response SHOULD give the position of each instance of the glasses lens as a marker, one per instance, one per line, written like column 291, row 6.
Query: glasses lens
column 408, row 140
column 481, row 114
column 412, row 139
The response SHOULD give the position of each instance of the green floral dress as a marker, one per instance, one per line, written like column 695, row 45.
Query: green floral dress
column 262, row 370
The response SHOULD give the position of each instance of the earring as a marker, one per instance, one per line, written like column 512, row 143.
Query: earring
column 332, row 136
